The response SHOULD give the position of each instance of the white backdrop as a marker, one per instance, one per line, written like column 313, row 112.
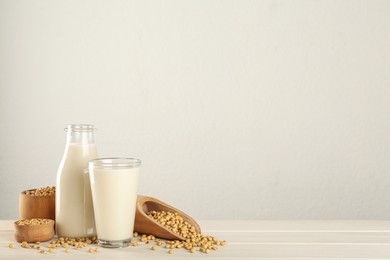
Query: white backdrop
column 238, row 109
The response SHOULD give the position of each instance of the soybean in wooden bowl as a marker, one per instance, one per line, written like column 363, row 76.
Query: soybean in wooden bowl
column 34, row 230
column 37, row 203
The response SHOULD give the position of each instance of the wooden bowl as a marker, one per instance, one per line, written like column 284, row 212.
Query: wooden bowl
column 34, row 233
column 36, row 206
column 147, row 225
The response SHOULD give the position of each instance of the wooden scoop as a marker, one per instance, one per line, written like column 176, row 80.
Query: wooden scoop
column 147, row 225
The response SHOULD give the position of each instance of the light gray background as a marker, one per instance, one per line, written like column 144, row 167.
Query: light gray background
column 238, row 109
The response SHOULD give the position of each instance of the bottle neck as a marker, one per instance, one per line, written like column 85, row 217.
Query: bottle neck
column 84, row 137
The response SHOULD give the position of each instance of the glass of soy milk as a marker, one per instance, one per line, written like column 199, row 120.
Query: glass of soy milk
column 114, row 185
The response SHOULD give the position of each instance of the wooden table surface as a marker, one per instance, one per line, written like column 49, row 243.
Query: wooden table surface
column 255, row 239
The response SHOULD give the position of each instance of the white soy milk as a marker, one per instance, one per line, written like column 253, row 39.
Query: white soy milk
column 114, row 193
column 74, row 209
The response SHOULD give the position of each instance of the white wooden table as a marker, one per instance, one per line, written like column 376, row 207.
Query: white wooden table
column 330, row 239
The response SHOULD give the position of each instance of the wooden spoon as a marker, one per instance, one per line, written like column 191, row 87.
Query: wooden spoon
column 147, row 225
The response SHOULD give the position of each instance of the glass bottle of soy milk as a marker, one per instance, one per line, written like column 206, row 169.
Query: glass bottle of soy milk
column 74, row 209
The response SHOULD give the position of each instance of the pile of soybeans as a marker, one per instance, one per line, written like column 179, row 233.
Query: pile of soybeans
column 45, row 191
column 193, row 241
column 174, row 222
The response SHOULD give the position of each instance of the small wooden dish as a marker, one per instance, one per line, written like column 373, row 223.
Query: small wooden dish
column 147, row 225
column 36, row 206
column 34, row 233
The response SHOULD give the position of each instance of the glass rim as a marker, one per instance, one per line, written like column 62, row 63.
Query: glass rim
column 80, row 128
column 115, row 162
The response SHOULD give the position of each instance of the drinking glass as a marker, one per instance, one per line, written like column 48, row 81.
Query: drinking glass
column 114, row 185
